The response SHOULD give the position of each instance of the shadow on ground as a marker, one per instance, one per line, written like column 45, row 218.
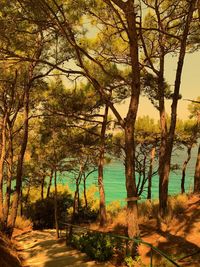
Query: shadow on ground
column 41, row 249
column 180, row 240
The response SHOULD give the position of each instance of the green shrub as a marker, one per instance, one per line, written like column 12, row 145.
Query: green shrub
column 96, row 245
column 86, row 214
column 41, row 212
column 136, row 262
column 75, row 242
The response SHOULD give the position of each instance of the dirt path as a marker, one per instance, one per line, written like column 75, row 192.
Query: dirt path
column 40, row 248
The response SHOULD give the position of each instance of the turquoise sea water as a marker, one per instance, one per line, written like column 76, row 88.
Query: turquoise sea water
column 114, row 178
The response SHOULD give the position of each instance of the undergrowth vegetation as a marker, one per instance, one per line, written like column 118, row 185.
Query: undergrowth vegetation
column 41, row 212
column 149, row 210
column 96, row 245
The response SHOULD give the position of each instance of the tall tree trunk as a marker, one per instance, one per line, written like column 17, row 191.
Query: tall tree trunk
column 197, row 174
column 19, row 171
column 49, row 185
column 56, row 205
column 129, row 127
column 102, row 208
column 164, row 166
column 184, row 169
column 2, row 161
column 76, row 196
column 150, row 173
column 128, row 124
column 132, row 209
column 9, row 178
column 166, row 161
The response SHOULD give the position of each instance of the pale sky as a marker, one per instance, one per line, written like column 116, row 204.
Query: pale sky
column 190, row 87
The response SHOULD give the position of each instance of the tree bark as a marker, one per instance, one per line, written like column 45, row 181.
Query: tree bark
column 19, row 171
column 164, row 166
column 9, row 177
column 129, row 127
column 150, row 173
column 102, row 208
column 197, row 174
column 141, row 182
column 165, row 155
column 21, row 203
column 49, row 185
column 184, row 169
column 2, row 161
column 84, row 190
column 76, row 196
column 128, row 123
column 56, row 205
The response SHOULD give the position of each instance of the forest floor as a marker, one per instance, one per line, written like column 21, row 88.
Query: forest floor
column 42, row 249
column 179, row 238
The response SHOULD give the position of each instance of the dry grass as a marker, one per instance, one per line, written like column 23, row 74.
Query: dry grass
column 23, row 223
column 178, row 204
column 113, row 210
column 149, row 210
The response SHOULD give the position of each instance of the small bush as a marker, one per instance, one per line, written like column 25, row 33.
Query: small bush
column 145, row 209
column 120, row 218
column 92, row 198
column 136, row 262
column 41, row 212
column 114, row 207
column 97, row 246
column 35, row 192
column 86, row 214
column 178, row 204
column 75, row 242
